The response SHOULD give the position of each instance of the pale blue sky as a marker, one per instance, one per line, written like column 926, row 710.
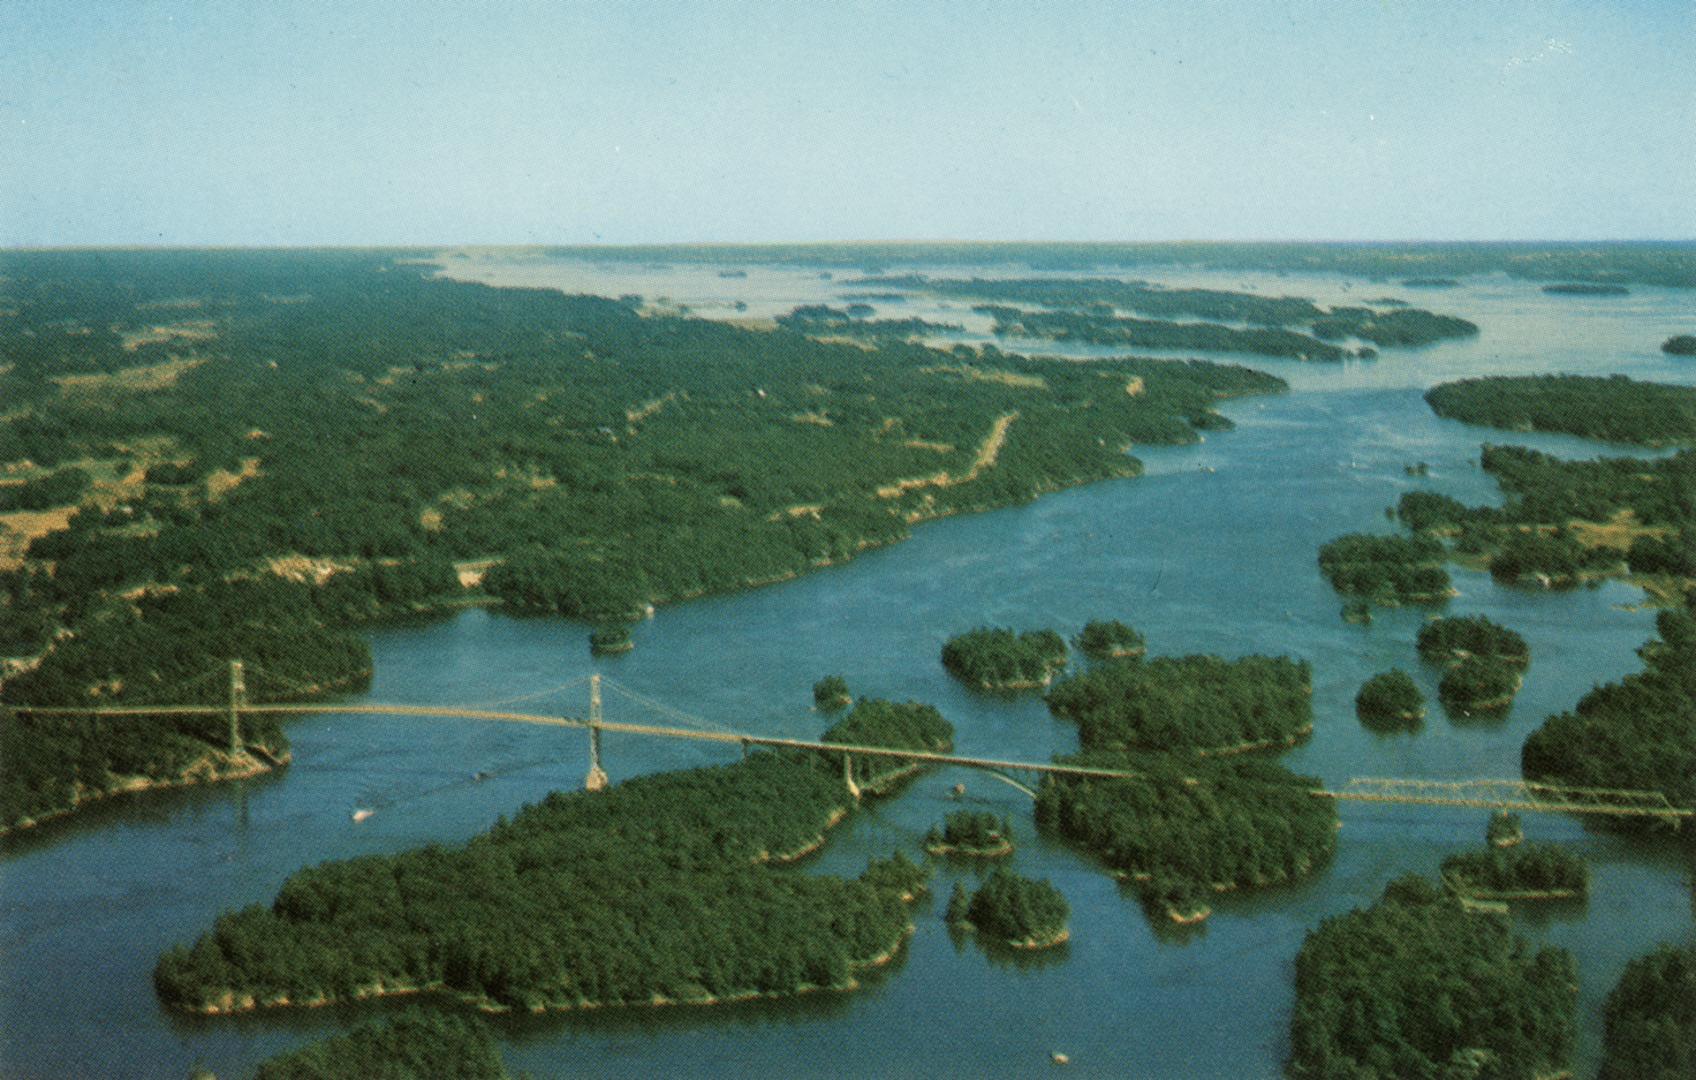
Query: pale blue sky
column 135, row 122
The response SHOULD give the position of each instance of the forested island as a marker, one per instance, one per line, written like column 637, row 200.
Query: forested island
column 822, row 320
column 658, row 889
column 1453, row 638
column 1416, row 986
column 831, row 693
column 1522, row 872
column 1680, row 345
column 1188, row 826
column 875, row 722
column 996, row 658
column 1012, row 909
column 1651, row 1018
column 1198, row 704
column 1110, row 639
column 1099, row 329
column 971, row 832
column 416, row 1043
column 1614, row 407
column 1390, row 699
column 1638, row 733
column 1484, row 662
column 1386, row 570
column 336, row 437
column 1505, row 830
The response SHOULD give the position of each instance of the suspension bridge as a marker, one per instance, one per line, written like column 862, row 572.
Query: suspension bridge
column 1490, row 794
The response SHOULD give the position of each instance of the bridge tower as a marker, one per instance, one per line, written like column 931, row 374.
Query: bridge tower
column 238, row 698
column 597, row 778
column 848, row 775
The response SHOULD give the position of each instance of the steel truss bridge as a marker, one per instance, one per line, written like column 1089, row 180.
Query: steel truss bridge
column 1488, row 794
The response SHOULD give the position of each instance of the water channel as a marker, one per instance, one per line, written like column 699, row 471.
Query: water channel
column 1211, row 551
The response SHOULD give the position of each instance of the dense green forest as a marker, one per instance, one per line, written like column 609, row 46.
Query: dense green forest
column 654, row 889
column 1188, row 703
column 874, row 722
column 1028, row 913
column 1478, row 685
column 1612, row 407
column 180, row 421
column 1671, row 264
column 1415, row 986
column 1240, row 823
column 823, row 320
column 996, row 658
column 1110, row 639
column 831, row 693
column 1523, row 868
column 1099, row 329
column 1456, row 637
column 1638, row 733
column 1651, row 1018
column 1390, row 698
column 417, row 1043
column 971, row 832
column 1386, row 570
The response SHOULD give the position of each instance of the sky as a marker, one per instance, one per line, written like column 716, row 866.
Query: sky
column 130, row 122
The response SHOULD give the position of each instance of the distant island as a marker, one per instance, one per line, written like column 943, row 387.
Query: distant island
column 1110, row 639
column 1586, row 288
column 1386, row 570
column 1483, row 661
column 1616, row 408
column 1680, row 345
column 1520, row 872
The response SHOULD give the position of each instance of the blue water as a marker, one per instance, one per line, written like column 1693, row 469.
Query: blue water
column 1211, row 551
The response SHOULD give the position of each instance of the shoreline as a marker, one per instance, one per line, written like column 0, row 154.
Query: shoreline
column 214, row 767
column 229, row 1003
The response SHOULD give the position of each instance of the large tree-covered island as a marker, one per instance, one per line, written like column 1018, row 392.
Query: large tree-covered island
column 661, row 889
column 346, row 437
column 1000, row 659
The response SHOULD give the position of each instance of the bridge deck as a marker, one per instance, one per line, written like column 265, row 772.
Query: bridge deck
column 1480, row 794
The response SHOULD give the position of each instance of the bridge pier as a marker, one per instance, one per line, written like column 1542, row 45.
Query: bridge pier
column 848, row 775
column 597, row 778
column 238, row 698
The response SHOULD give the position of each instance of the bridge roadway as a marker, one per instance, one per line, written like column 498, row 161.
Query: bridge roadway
column 1516, row 795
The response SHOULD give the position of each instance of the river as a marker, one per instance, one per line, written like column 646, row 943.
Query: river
column 1213, row 550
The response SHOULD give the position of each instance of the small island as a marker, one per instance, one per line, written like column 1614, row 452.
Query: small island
column 1650, row 1018
column 971, row 832
column 1505, row 829
column 1110, row 639
column 831, row 693
column 1205, row 705
column 1429, row 283
column 875, row 722
column 1386, row 570
column 999, row 659
column 1025, row 913
column 1680, row 345
column 607, row 640
column 1524, row 872
column 1455, row 638
column 1586, row 288
column 1417, row 986
column 1390, row 698
column 1479, row 686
